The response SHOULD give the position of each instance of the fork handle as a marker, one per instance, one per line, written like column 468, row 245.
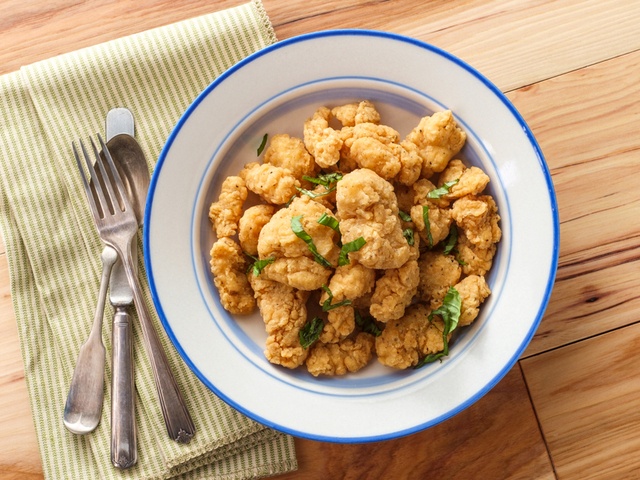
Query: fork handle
column 176, row 416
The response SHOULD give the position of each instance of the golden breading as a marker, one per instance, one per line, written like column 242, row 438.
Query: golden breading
column 470, row 181
column 341, row 321
column 290, row 153
column 438, row 272
column 278, row 239
column 371, row 153
column 250, row 225
column 226, row 212
column 394, row 292
column 475, row 260
column 478, row 218
column 436, row 139
column 274, row 184
column 421, row 190
column 350, row 281
column 410, row 166
column 405, row 341
column 439, row 223
column 473, row 291
column 322, row 141
column 349, row 355
column 284, row 312
column 367, row 207
column 353, row 113
column 303, row 273
column 228, row 267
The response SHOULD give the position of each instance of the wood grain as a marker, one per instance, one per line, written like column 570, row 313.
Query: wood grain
column 571, row 69
column 591, row 143
column 586, row 397
column 500, row 429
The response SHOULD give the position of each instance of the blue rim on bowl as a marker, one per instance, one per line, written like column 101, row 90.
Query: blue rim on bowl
column 273, row 91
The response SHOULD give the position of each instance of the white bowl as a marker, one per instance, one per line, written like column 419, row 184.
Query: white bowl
column 274, row 91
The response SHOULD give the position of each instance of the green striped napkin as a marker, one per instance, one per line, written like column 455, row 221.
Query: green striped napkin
column 53, row 248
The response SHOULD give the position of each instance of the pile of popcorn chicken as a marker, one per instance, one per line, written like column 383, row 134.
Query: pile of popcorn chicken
column 357, row 243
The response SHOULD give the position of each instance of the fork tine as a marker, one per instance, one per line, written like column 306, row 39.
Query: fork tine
column 115, row 175
column 112, row 200
column 87, row 189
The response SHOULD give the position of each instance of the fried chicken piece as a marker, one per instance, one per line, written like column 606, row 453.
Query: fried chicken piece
column 290, row 153
column 341, row 321
column 410, row 165
column 475, row 260
column 470, row 181
column 278, row 239
column 303, row 273
column 371, row 153
column 226, row 212
column 405, row 341
column 394, row 292
column 473, row 291
column 421, row 190
column 284, row 312
column 228, row 267
column 349, row 355
column 436, row 139
column 250, row 225
column 438, row 272
column 478, row 218
column 274, row 184
column 438, row 226
column 354, row 113
column 367, row 207
column 322, row 141
column 349, row 282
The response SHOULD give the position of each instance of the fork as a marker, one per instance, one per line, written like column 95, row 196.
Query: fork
column 117, row 225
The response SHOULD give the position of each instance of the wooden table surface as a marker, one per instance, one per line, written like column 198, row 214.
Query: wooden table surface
column 570, row 407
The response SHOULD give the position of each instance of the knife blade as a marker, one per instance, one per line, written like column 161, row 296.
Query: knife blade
column 124, row 452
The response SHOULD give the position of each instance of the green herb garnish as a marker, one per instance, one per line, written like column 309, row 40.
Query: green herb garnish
column 258, row 265
column 298, row 229
column 407, row 233
column 329, row 221
column 451, row 241
column 367, row 325
column 263, row 143
column 324, row 179
column 311, row 194
column 405, row 217
column 449, row 311
column 310, row 332
column 427, row 224
column 349, row 247
column 443, row 190
column 327, row 305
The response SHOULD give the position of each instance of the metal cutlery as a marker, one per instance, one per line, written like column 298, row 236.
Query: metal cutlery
column 117, row 225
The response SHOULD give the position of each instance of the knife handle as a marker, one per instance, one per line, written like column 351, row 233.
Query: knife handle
column 124, row 452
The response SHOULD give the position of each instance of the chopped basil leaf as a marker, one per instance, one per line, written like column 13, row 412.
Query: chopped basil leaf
column 310, row 332
column 329, row 221
column 408, row 234
column 311, row 194
column 443, row 190
column 298, row 229
column 427, row 224
column 367, row 325
column 449, row 311
column 263, row 143
column 349, row 247
column 325, row 179
column 451, row 240
column 258, row 265
column 405, row 217
column 326, row 305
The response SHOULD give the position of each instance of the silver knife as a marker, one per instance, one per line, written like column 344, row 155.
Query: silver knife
column 124, row 452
